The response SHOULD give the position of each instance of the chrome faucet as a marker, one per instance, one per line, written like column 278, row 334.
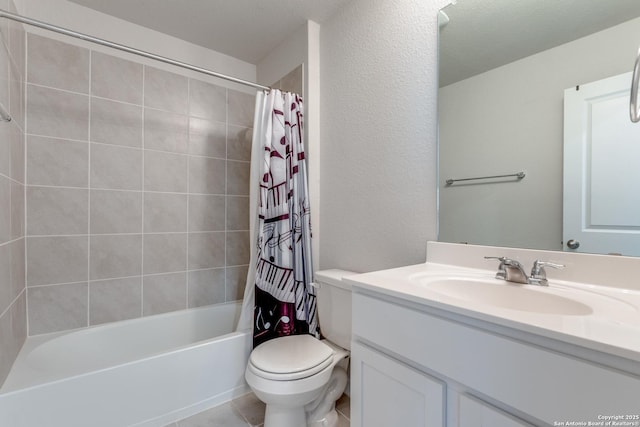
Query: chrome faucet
column 510, row 270
column 539, row 275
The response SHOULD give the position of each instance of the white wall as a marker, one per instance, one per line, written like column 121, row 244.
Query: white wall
column 513, row 121
column 378, row 80
column 82, row 19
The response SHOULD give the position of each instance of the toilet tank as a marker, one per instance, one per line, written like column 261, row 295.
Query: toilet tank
column 334, row 306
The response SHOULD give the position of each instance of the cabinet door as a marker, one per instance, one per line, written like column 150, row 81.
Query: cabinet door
column 388, row 393
column 475, row 413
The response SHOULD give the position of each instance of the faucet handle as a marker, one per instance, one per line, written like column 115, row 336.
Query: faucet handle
column 504, row 262
column 538, row 267
column 538, row 273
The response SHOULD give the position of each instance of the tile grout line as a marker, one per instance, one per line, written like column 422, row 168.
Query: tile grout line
column 89, row 196
column 142, row 144
column 24, row 177
column 188, row 190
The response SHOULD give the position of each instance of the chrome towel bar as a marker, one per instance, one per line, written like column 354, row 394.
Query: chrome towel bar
column 518, row 175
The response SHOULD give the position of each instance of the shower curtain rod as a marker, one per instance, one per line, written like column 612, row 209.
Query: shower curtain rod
column 96, row 40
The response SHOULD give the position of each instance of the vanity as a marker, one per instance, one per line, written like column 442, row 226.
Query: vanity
column 445, row 343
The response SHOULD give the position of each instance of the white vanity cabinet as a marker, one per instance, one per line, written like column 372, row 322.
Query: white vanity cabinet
column 418, row 365
column 393, row 394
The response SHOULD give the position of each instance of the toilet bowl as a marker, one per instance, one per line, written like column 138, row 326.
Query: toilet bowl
column 298, row 377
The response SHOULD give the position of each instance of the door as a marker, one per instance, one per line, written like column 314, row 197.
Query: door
column 386, row 392
column 601, row 169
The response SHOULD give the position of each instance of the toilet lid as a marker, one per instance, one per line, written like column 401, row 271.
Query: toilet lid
column 295, row 354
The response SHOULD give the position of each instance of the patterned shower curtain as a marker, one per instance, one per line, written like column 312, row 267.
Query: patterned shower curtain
column 285, row 301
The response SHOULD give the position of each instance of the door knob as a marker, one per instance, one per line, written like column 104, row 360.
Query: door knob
column 573, row 244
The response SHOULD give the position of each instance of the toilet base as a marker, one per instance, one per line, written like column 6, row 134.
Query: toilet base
column 330, row 420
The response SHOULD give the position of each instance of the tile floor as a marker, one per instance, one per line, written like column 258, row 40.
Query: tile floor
column 247, row 411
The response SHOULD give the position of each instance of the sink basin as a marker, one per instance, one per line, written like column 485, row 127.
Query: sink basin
column 506, row 295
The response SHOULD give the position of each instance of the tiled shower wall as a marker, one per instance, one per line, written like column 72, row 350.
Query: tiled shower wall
column 137, row 188
column 13, row 323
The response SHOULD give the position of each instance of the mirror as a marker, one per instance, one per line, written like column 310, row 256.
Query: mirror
column 504, row 67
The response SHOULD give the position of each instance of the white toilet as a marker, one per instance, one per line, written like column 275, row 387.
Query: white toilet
column 298, row 376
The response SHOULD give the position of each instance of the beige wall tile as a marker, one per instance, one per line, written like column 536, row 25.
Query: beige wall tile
column 165, row 131
column 163, row 293
column 17, row 266
column 57, row 211
column 5, row 150
column 53, row 112
column 238, row 174
column 240, row 106
column 206, row 175
column 17, row 210
column 115, row 168
column 237, row 213
column 5, row 277
column 165, row 212
column 4, row 77
column 56, row 64
column 16, row 137
column 116, row 123
column 206, row 287
column 238, row 249
column 239, row 143
column 12, row 334
column 57, row 307
column 165, row 90
column 115, row 212
column 116, row 78
column 56, row 259
column 17, row 42
column 113, row 300
column 206, row 213
column 236, row 282
column 165, row 172
column 206, row 250
column 207, row 101
column 115, row 256
column 5, row 209
column 207, row 138
column 57, row 162
column 164, row 253
column 16, row 95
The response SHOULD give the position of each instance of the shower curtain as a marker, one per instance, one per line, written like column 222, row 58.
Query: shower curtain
column 279, row 298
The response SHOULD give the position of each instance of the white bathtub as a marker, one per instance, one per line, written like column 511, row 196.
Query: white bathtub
column 143, row 372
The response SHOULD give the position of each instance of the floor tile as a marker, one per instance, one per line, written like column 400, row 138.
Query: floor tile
column 251, row 408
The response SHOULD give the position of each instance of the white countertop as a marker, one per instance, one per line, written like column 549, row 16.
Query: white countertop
column 612, row 326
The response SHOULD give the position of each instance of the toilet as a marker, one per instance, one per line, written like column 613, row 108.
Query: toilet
column 299, row 377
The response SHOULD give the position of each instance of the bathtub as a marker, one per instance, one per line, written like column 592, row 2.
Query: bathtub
column 144, row 372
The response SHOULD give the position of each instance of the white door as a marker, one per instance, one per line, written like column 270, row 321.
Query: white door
column 387, row 393
column 601, row 169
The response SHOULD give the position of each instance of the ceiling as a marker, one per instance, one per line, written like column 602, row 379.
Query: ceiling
column 485, row 34
column 245, row 29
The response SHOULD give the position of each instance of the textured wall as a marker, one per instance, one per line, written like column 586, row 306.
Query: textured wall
column 378, row 134
column 13, row 322
column 137, row 188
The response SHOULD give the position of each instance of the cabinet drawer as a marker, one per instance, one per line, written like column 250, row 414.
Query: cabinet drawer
column 545, row 384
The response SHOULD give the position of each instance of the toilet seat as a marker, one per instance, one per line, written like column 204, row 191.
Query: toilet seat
column 290, row 358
